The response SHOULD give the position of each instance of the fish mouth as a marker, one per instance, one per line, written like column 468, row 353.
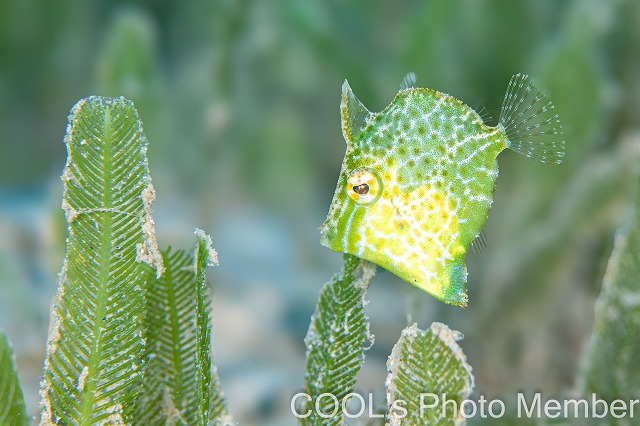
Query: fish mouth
column 329, row 238
column 324, row 234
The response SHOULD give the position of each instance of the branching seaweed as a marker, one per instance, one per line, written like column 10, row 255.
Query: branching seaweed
column 177, row 377
column 421, row 362
column 336, row 341
column 12, row 408
column 612, row 359
column 95, row 346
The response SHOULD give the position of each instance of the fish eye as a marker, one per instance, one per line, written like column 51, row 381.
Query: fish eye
column 362, row 189
column 364, row 186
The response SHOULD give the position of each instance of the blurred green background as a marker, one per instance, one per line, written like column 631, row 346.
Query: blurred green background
column 240, row 104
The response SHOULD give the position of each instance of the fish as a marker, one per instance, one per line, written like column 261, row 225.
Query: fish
column 418, row 178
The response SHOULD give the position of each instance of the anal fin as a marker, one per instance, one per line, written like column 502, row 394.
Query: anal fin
column 479, row 243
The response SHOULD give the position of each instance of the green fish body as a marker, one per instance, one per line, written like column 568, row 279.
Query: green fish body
column 418, row 178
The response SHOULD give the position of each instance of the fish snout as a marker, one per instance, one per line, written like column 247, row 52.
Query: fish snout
column 324, row 234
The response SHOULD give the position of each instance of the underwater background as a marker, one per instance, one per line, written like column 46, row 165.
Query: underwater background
column 240, row 103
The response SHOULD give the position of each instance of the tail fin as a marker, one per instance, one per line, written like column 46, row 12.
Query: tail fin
column 531, row 123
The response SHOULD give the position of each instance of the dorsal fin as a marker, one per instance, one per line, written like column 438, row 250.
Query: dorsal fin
column 408, row 82
column 354, row 115
column 531, row 123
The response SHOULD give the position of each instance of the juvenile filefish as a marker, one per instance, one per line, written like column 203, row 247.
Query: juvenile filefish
column 418, row 178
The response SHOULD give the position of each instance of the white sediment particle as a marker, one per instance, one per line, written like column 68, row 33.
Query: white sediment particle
column 213, row 254
column 369, row 335
column 83, row 378
column 395, row 419
column 148, row 250
column 46, row 415
column 72, row 118
column 76, row 108
column 53, row 336
column 226, row 420
column 69, row 212
column 450, row 337
column 169, row 409
column 368, row 271
column 115, row 418
column 69, row 130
